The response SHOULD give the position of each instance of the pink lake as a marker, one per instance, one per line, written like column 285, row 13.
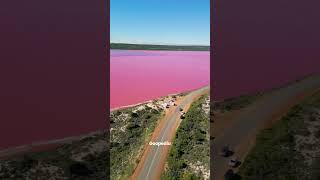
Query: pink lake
column 137, row 76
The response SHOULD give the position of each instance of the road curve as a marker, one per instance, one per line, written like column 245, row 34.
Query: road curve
column 153, row 158
column 244, row 127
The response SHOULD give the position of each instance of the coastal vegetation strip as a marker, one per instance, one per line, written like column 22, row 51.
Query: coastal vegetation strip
column 290, row 149
column 84, row 158
column 131, row 129
column 235, row 103
column 158, row 47
column 189, row 154
column 242, row 101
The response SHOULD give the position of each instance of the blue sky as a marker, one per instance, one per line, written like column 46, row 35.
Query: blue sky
column 180, row 22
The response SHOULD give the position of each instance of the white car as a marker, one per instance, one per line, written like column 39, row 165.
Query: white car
column 234, row 162
column 182, row 116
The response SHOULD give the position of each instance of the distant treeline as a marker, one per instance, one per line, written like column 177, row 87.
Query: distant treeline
column 158, row 47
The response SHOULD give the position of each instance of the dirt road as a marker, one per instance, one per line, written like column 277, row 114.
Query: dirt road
column 244, row 126
column 154, row 157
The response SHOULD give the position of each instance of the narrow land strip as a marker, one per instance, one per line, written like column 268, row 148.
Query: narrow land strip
column 154, row 157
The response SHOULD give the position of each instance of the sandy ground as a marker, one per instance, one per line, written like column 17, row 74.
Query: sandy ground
column 144, row 102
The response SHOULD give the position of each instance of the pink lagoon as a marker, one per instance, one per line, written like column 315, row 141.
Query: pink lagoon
column 141, row 75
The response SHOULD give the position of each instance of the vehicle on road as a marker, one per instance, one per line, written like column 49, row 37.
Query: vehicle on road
column 226, row 152
column 182, row 116
column 229, row 175
column 234, row 162
column 181, row 109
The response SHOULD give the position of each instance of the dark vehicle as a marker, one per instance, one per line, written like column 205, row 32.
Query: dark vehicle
column 225, row 152
column 229, row 175
column 181, row 109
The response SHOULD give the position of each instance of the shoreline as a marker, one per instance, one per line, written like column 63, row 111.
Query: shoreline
column 148, row 101
column 161, row 50
column 270, row 89
column 49, row 144
column 53, row 143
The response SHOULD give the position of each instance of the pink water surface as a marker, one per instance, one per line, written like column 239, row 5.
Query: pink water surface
column 137, row 76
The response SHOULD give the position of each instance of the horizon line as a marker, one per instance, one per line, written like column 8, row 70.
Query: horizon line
column 168, row 44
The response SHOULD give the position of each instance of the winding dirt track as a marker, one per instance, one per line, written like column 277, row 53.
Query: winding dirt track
column 243, row 127
column 154, row 157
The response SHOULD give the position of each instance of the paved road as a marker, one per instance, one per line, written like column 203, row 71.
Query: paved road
column 156, row 155
column 245, row 126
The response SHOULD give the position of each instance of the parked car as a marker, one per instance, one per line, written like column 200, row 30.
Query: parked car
column 229, row 174
column 181, row 109
column 225, row 152
column 234, row 162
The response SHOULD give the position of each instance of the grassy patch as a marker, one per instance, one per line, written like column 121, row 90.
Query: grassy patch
column 130, row 134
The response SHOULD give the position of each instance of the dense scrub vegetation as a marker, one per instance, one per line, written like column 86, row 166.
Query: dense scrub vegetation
column 235, row 103
column 62, row 163
column 158, row 47
column 189, row 154
column 289, row 150
column 130, row 130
